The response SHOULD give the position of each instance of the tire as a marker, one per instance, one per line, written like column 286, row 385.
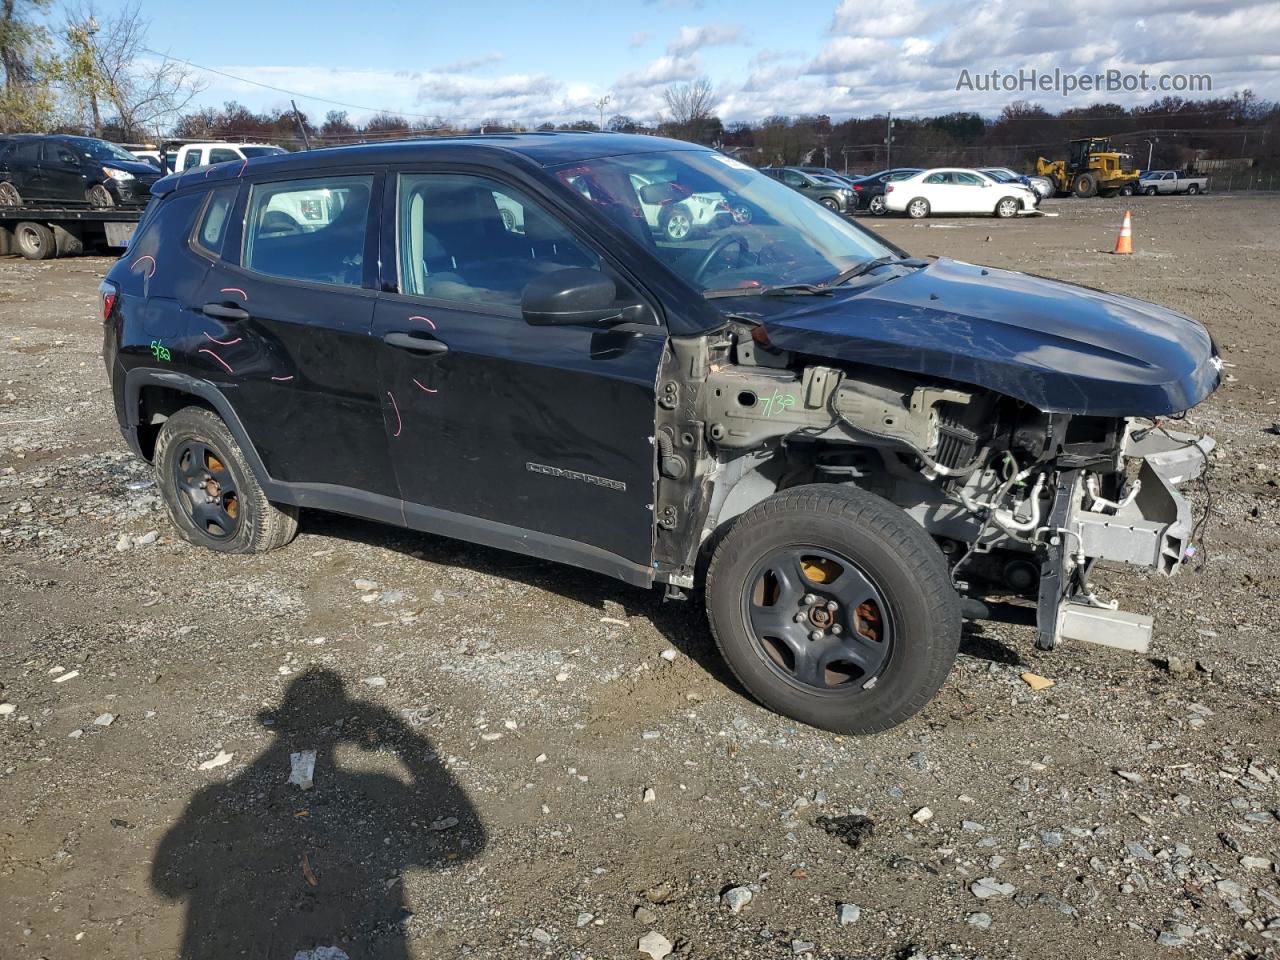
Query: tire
column 830, row 204
column 231, row 514
column 1193, row 190
column 1127, row 190
column 907, row 633
column 508, row 219
column 742, row 214
column 877, row 206
column 1085, row 185
column 677, row 225
column 918, row 208
column 1107, row 194
column 1006, row 207
column 1150, row 191
column 35, row 241
column 9, row 195
column 99, row 197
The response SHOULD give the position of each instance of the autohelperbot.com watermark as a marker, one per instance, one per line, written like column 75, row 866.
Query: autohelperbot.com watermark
column 1066, row 83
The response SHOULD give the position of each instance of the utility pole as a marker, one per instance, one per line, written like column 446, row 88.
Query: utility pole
column 888, row 143
column 600, row 105
column 306, row 141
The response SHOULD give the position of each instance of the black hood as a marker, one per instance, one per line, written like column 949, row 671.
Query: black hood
column 1060, row 347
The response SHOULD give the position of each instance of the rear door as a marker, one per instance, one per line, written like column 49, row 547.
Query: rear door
column 938, row 190
column 285, row 316
column 499, row 429
column 24, row 170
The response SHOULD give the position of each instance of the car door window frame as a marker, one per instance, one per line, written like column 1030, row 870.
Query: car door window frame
column 389, row 285
column 233, row 243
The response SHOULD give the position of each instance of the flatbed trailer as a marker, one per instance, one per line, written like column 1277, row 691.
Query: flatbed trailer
column 41, row 233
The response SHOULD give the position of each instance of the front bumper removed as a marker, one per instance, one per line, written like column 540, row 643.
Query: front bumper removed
column 1150, row 528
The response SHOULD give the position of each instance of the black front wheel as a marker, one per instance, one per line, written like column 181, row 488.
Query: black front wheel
column 833, row 607
column 99, row 197
column 213, row 497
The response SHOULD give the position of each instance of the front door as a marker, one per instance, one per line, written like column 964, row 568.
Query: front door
column 501, row 431
column 61, row 170
column 285, row 317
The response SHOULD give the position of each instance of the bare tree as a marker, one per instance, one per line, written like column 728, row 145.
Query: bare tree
column 690, row 102
column 108, row 67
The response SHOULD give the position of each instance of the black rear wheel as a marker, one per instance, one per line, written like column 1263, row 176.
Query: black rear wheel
column 35, row 241
column 212, row 495
column 877, row 206
column 833, row 607
column 9, row 196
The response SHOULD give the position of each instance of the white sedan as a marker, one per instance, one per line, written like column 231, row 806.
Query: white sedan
column 949, row 190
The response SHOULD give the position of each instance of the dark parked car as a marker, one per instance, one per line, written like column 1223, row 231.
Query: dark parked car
column 832, row 194
column 869, row 190
column 72, row 170
column 845, row 447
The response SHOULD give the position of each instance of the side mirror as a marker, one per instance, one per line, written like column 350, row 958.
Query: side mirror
column 575, row 295
column 986, row 183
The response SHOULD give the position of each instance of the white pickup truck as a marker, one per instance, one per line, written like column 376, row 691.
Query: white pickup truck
column 1171, row 181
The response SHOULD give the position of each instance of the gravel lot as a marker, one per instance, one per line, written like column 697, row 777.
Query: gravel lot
column 515, row 759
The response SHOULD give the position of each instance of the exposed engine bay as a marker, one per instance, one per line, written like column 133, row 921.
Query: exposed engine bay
column 1022, row 503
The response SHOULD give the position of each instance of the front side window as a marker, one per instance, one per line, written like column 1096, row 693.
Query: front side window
column 967, row 179
column 311, row 230
column 474, row 240
column 192, row 159
column 744, row 229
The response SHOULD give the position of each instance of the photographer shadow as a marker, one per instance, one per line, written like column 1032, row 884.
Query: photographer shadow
column 270, row 871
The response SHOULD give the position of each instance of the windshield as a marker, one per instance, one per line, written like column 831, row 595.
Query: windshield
column 262, row 151
column 720, row 224
column 101, row 150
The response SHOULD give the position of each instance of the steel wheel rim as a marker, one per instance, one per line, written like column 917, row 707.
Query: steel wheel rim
column 877, row 204
column 206, row 490
column 741, row 214
column 818, row 621
column 678, row 226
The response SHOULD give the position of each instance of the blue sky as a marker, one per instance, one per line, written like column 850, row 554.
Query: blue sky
column 550, row 60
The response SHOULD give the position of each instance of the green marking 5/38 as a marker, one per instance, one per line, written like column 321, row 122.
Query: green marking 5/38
column 160, row 351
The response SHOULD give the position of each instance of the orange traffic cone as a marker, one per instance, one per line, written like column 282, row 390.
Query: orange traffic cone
column 1124, row 242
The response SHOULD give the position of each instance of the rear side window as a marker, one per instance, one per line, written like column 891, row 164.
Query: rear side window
column 26, row 153
column 191, row 159
column 222, row 155
column 311, row 230
column 213, row 222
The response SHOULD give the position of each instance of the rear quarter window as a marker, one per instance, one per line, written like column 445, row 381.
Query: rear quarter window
column 211, row 230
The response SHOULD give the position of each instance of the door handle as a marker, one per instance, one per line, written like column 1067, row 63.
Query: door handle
column 222, row 311
column 408, row 341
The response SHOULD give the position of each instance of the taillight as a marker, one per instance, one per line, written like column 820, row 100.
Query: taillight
column 107, row 293
column 858, row 187
column 888, row 188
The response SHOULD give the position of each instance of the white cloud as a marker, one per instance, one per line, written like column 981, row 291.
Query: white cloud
column 692, row 39
column 878, row 18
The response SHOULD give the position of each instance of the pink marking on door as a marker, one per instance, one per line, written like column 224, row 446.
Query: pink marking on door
column 150, row 273
column 223, row 343
column 216, row 357
column 282, row 379
column 424, row 389
column 244, row 162
column 427, row 320
column 399, row 422
column 243, row 295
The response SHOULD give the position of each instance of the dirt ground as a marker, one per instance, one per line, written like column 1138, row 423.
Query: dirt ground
column 487, row 726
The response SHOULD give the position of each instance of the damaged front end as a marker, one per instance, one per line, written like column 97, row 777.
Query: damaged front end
column 1023, row 503
column 1149, row 525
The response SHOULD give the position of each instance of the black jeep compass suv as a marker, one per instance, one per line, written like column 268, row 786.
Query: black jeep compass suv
column 492, row 338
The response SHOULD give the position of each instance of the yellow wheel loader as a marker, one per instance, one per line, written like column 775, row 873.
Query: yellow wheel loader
column 1092, row 168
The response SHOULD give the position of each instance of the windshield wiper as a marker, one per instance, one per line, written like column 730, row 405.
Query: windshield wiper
column 775, row 290
column 868, row 265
